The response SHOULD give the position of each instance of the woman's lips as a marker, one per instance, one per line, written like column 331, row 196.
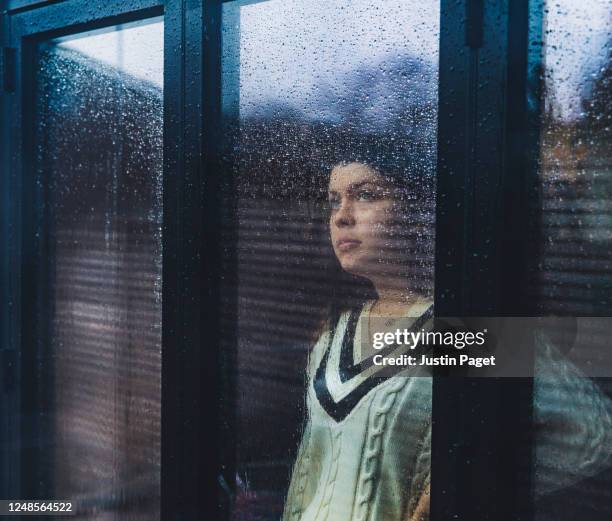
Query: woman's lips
column 347, row 244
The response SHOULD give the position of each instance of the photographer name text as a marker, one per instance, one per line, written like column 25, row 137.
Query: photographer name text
column 457, row 340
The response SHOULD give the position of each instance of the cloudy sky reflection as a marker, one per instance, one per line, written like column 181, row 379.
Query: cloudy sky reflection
column 301, row 54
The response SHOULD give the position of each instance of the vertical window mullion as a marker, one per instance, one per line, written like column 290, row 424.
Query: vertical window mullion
column 481, row 434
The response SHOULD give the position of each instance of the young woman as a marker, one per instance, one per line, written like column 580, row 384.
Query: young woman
column 365, row 451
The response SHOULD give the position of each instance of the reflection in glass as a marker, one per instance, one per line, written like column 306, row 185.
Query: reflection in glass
column 317, row 93
column 573, row 272
column 99, row 161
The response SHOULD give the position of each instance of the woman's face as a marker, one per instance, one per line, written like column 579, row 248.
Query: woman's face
column 363, row 219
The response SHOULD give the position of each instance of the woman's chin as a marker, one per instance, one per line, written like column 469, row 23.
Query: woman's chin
column 350, row 266
column 356, row 267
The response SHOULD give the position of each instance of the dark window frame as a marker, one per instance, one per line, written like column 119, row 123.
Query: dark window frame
column 25, row 24
column 487, row 140
column 486, row 174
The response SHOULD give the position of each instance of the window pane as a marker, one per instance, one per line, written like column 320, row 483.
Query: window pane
column 575, row 273
column 99, row 162
column 310, row 88
column 572, row 276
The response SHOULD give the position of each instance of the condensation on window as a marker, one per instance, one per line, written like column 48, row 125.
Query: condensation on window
column 99, row 164
column 307, row 86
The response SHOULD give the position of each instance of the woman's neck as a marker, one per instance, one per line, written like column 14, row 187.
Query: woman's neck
column 394, row 299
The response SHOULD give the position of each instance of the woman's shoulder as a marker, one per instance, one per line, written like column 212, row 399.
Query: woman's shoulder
column 421, row 307
column 318, row 350
column 326, row 330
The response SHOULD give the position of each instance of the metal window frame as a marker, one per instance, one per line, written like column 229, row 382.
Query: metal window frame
column 486, row 140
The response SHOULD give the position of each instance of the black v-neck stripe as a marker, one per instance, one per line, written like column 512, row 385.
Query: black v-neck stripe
column 348, row 369
column 339, row 410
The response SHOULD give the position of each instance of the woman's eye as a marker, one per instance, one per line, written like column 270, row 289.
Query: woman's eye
column 366, row 195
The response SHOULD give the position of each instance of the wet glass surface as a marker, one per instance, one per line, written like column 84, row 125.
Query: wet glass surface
column 99, row 163
column 307, row 86
column 572, row 275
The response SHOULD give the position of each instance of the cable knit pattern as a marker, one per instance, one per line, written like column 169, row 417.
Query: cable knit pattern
column 373, row 448
column 337, row 475
column 323, row 512
column 299, row 486
column 572, row 420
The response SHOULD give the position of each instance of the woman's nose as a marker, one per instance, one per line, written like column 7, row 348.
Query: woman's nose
column 344, row 216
